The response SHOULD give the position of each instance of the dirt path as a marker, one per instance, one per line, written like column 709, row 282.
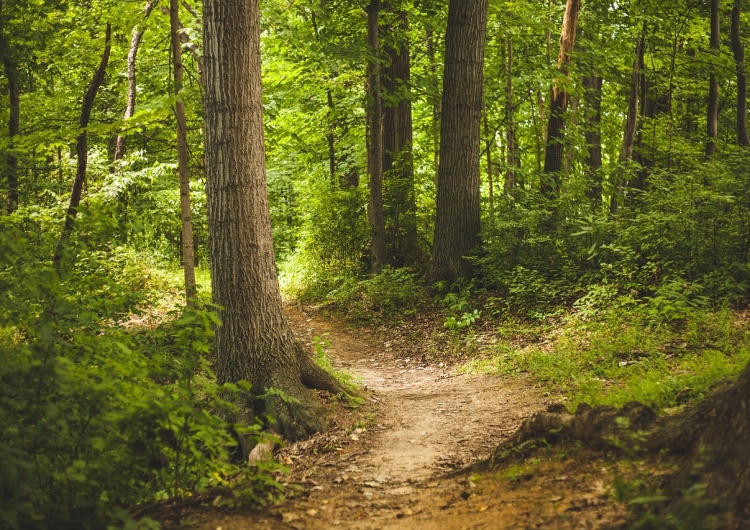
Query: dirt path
column 389, row 469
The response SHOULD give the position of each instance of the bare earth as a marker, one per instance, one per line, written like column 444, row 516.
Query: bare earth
column 396, row 462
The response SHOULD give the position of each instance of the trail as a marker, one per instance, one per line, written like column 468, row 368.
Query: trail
column 390, row 471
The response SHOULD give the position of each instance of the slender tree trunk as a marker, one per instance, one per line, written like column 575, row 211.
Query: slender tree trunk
column 330, row 134
column 14, row 107
column 457, row 221
column 592, row 85
column 512, row 160
column 183, row 162
column 375, row 213
column 398, row 162
column 553, row 154
column 628, row 138
column 739, row 58
column 489, row 142
column 82, row 148
column 254, row 343
column 435, row 99
column 135, row 42
column 712, row 121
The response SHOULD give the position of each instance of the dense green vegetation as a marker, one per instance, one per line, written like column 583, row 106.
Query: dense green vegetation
column 623, row 280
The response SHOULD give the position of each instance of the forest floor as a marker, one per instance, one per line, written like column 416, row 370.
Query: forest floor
column 402, row 460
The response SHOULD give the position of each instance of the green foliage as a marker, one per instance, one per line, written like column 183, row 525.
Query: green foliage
column 344, row 376
column 393, row 293
column 456, row 299
column 626, row 356
column 96, row 417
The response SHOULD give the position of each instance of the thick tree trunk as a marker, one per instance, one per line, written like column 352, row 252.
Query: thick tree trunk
column 631, row 121
column 183, row 163
column 457, row 221
column 739, row 58
column 135, row 42
column 398, row 162
column 82, row 148
column 375, row 214
column 553, row 153
column 712, row 120
column 255, row 342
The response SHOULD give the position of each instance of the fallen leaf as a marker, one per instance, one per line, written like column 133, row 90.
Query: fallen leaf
column 289, row 517
column 482, row 508
column 312, row 512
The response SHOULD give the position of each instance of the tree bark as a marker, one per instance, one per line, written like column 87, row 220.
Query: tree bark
column 435, row 100
column 135, row 42
column 330, row 134
column 712, row 120
column 14, row 107
column 457, row 222
column 592, row 86
column 375, row 214
column 82, row 148
column 739, row 58
column 553, row 153
column 255, row 342
column 512, row 159
column 398, row 162
column 183, row 162
column 631, row 121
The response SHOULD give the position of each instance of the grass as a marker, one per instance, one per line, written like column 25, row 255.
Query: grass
column 626, row 358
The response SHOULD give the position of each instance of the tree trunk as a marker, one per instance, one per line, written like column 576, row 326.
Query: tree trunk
column 255, row 342
column 183, row 163
column 375, row 214
column 82, row 148
column 330, row 134
column 14, row 107
column 592, row 85
column 512, row 160
column 553, row 153
column 435, row 100
column 135, row 42
column 712, row 120
column 398, row 162
column 739, row 58
column 457, row 221
column 631, row 121
column 489, row 143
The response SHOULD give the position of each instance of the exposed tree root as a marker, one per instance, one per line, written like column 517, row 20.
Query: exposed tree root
column 713, row 437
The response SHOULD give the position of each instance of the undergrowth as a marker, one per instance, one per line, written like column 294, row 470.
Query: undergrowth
column 629, row 355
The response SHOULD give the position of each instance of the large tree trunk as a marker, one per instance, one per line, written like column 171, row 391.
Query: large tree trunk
column 712, row 120
column 398, row 162
column 375, row 214
column 553, row 153
column 457, row 221
column 714, row 435
column 255, row 342
column 739, row 58
column 183, row 163
column 14, row 107
column 135, row 42
column 631, row 121
column 82, row 148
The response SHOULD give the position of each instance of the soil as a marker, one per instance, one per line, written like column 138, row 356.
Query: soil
column 403, row 459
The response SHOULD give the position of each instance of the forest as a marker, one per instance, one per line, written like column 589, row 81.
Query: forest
column 374, row 264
